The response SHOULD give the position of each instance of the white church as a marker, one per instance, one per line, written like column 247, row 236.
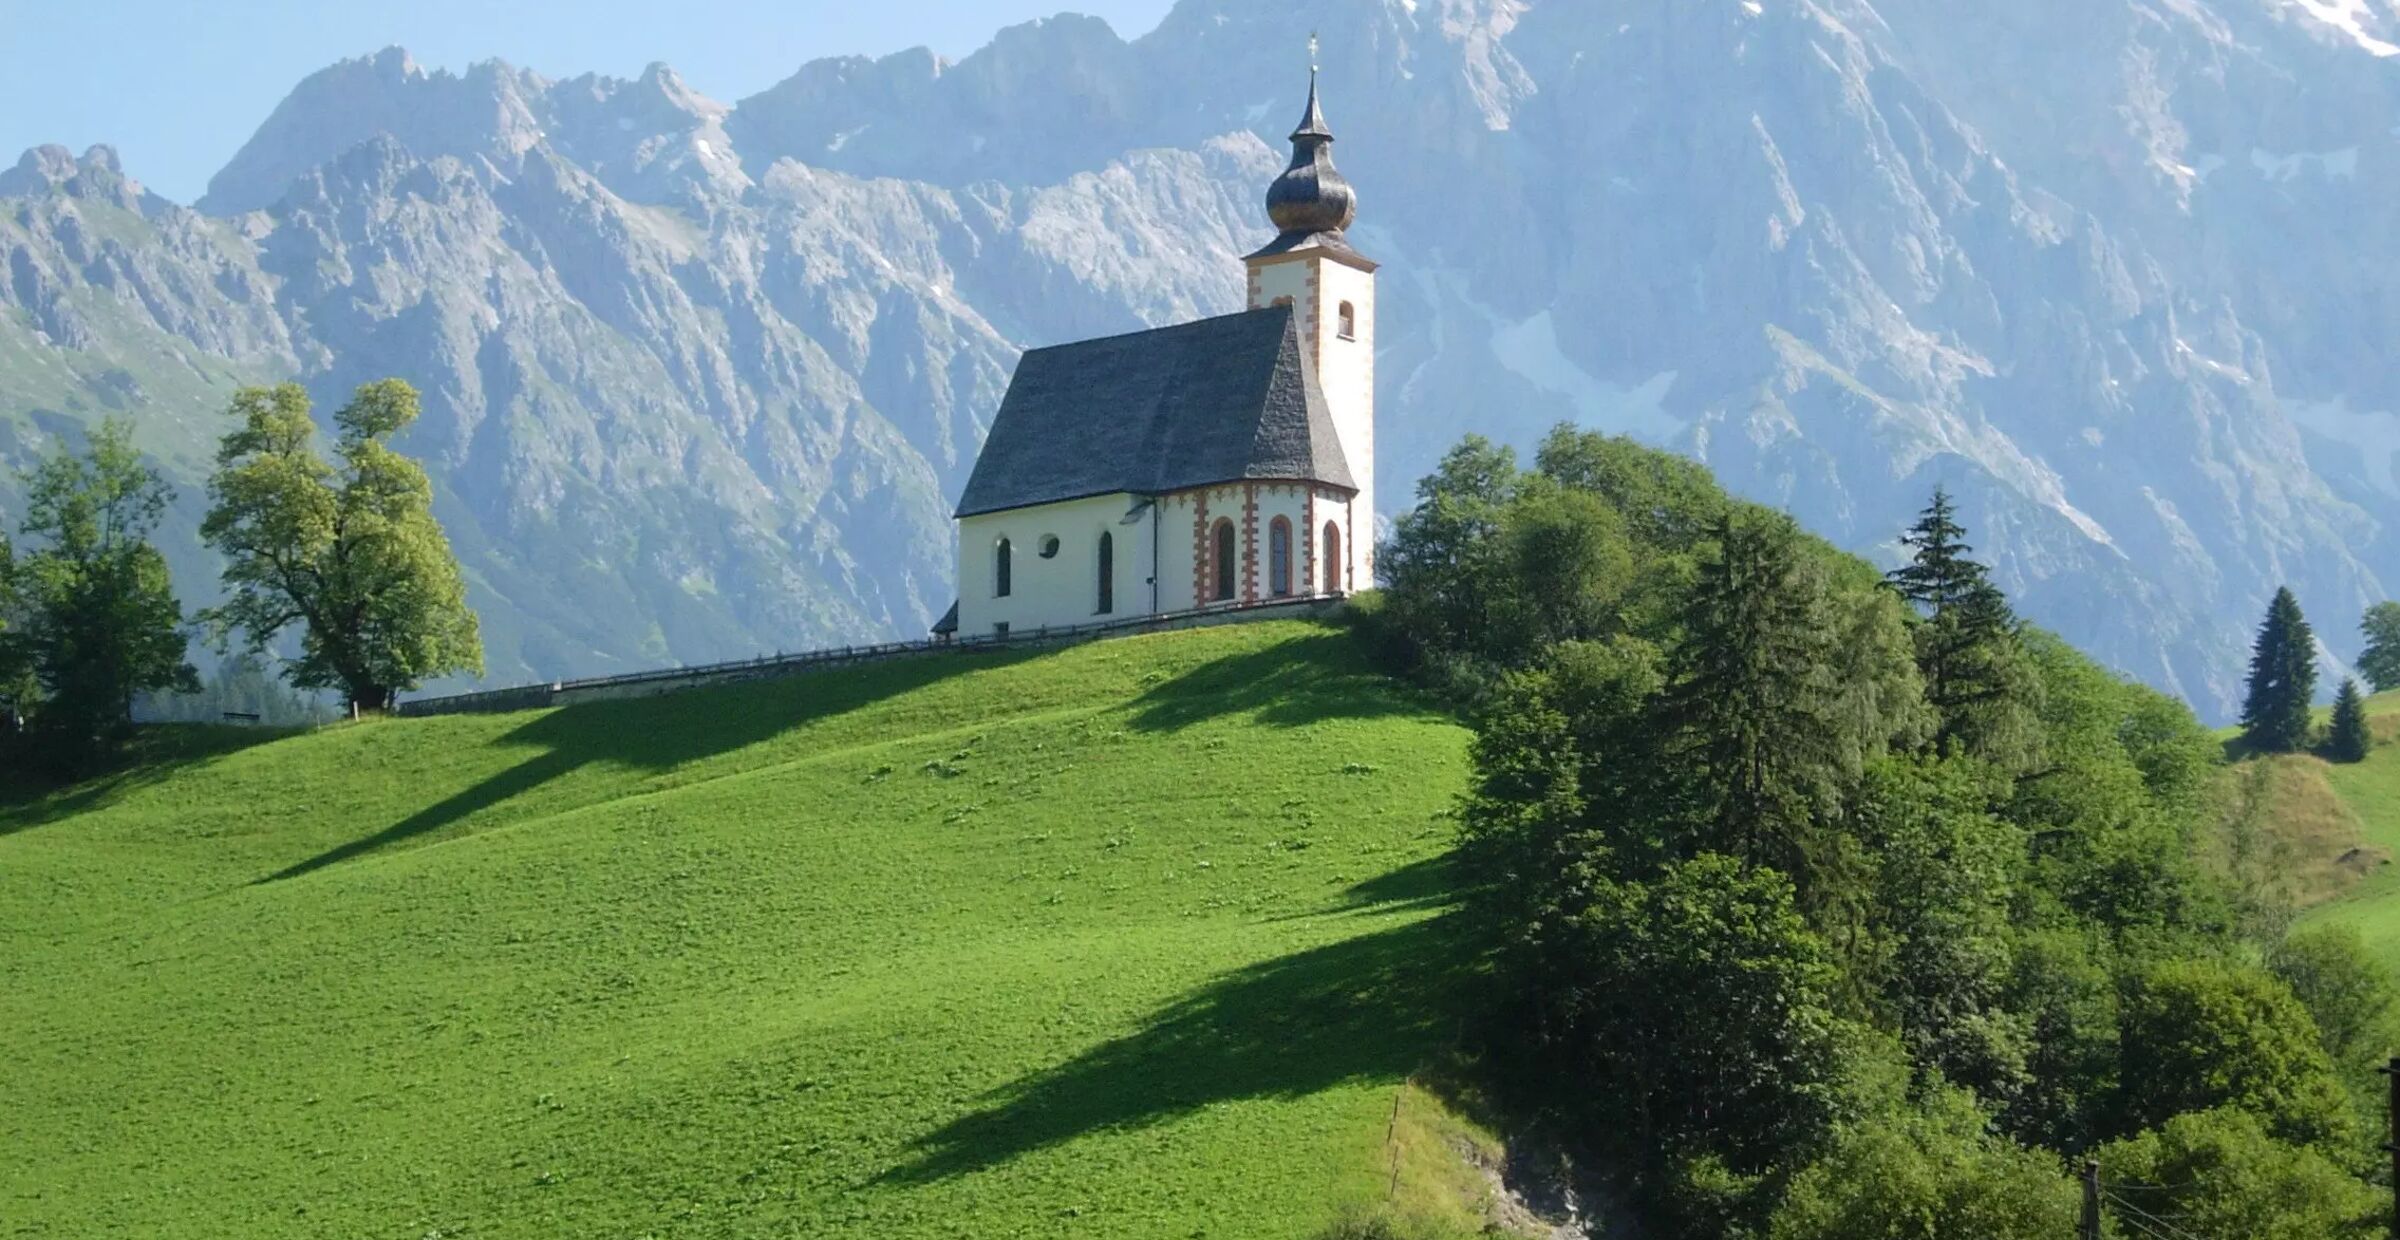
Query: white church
column 1225, row 463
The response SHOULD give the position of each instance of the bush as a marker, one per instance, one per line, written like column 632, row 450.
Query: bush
column 2347, row 991
column 2202, row 1034
column 1933, row 1173
column 2218, row 1173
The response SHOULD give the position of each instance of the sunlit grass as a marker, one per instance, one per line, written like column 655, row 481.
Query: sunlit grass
column 1138, row 939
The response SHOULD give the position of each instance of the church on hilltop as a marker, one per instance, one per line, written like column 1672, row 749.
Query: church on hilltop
column 1225, row 463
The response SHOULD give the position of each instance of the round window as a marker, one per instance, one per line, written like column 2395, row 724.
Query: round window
column 1049, row 546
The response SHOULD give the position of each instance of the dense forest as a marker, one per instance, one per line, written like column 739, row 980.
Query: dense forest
column 1830, row 903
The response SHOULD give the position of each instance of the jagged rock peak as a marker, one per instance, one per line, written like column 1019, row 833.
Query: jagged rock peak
column 491, row 111
column 99, row 175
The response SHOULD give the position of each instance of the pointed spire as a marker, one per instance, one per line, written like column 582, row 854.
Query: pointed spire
column 1312, row 123
column 1311, row 197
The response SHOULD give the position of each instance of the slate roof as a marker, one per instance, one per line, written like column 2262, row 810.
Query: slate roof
column 1221, row 400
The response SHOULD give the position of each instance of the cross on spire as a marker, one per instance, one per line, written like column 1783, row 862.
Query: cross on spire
column 1312, row 52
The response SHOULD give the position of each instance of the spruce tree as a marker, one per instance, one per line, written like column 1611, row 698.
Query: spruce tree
column 2283, row 679
column 1753, row 709
column 1967, row 644
column 2349, row 739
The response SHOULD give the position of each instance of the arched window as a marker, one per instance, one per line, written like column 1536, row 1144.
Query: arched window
column 1279, row 558
column 1108, row 573
column 1222, row 544
column 1333, row 558
column 1000, row 569
column 1349, row 321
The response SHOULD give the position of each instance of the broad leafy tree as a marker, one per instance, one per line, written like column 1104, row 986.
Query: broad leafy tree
column 99, row 616
column 2221, row 1173
column 2199, row 1034
column 1443, row 561
column 2347, row 990
column 1934, row 1173
column 2380, row 663
column 2349, row 739
column 1702, row 1007
column 348, row 551
column 2283, row 679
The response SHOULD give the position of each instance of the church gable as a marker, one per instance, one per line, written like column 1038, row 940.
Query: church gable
column 1227, row 399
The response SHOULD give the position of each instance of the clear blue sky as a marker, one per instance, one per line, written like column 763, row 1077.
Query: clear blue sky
column 176, row 86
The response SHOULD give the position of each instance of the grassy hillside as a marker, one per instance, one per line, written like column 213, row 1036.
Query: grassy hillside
column 2338, row 826
column 1137, row 939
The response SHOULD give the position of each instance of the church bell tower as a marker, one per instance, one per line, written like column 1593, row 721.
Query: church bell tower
column 1331, row 289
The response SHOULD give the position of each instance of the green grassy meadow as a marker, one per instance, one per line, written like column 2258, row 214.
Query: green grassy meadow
column 2365, row 836
column 1135, row 939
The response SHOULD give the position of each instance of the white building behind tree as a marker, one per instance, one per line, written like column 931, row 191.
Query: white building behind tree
column 1228, row 462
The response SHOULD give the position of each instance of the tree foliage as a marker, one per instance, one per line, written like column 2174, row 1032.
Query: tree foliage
column 1705, row 994
column 348, row 551
column 1756, row 829
column 1966, row 643
column 2380, row 663
column 2199, row 1034
column 98, row 623
column 2350, row 737
column 1931, row 1173
column 2283, row 679
column 2348, row 992
column 2220, row 1173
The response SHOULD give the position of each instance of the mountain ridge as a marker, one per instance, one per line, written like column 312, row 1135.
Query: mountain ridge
column 729, row 362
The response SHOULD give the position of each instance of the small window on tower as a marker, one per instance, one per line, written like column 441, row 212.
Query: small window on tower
column 1349, row 321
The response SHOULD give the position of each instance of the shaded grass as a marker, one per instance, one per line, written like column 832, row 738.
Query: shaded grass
column 1135, row 939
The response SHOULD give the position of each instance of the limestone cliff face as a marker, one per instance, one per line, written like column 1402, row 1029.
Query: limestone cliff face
column 701, row 379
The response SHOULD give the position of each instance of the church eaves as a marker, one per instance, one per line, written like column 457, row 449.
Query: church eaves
column 1228, row 399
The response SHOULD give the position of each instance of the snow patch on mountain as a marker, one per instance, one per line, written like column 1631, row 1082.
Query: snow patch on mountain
column 2350, row 17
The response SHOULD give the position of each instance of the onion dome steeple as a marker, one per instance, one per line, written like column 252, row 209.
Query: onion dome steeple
column 1311, row 198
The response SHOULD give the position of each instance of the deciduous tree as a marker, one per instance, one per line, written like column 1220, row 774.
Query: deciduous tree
column 100, row 620
column 2220, row 1173
column 2380, row 663
column 2199, row 1034
column 349, row 551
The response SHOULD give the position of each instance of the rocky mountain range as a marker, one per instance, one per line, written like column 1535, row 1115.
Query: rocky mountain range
column 701, row 379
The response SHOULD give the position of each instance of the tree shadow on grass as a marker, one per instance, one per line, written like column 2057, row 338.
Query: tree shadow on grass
column 658, row 734
column 157, row 753
column 1289, row 684
column 1435, row 882
column 1372, row 1008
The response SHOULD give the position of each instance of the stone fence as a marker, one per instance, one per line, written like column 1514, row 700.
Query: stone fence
column 767, row 667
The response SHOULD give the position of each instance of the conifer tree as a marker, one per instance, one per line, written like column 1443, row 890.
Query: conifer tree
column 1966, row 648
column 2349, row 739
column 2283, row 679
column 2380, row 663
column 1754, row 705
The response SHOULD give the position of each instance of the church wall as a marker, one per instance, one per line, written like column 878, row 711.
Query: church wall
column 1189, row 519
column 1060, row 592
column 1318, row 286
